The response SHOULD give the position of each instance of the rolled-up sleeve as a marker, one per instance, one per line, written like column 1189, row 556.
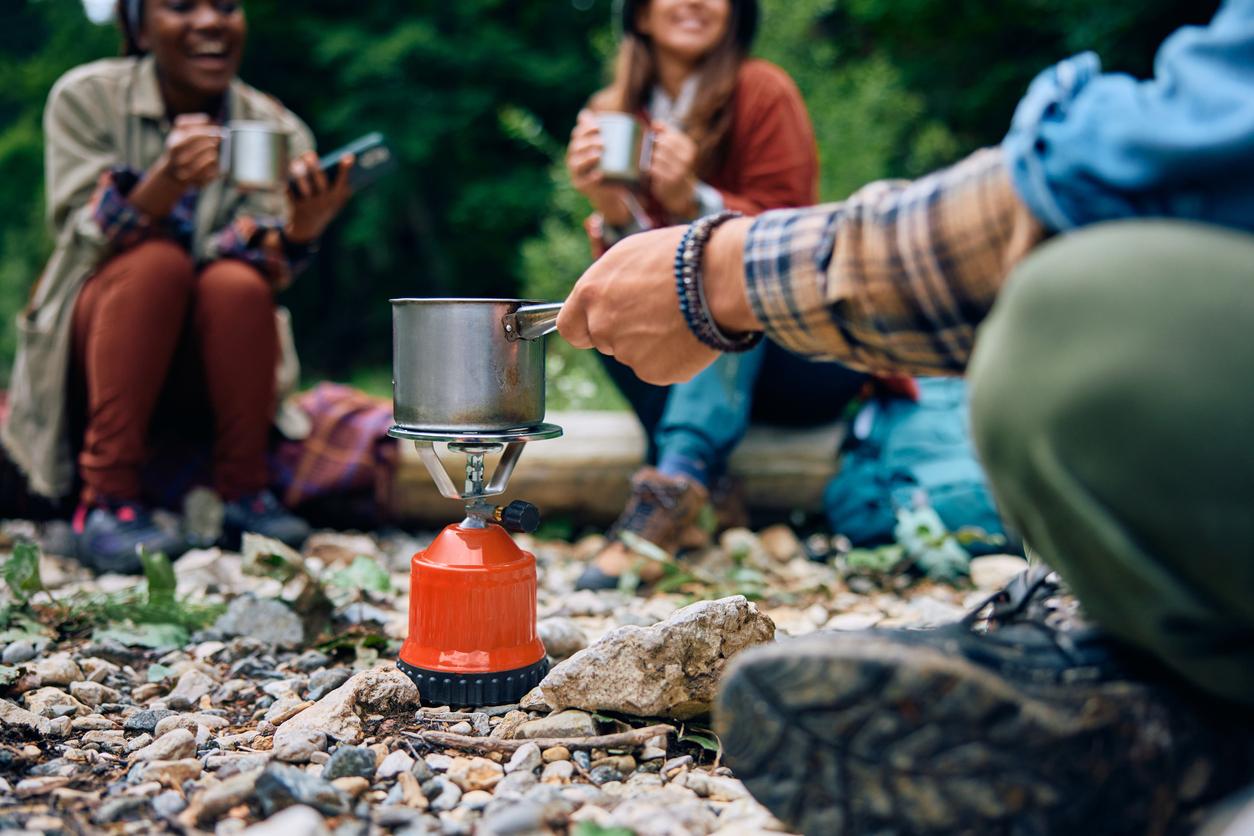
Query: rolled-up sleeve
column 897, row 277
column 1087, row 146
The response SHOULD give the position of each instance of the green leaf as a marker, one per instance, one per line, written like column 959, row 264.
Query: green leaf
column 156, row 636
column 587, row 828
column 637, row 544
column 363, row 573
column 704, row 738
column 159, row 572
column 21, row 571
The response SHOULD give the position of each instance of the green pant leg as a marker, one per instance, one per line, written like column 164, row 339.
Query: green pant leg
column 1112, row 398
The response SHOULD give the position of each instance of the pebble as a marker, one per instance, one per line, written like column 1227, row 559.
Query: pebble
column 92, row 722
column 263, row 619
column 310, row 661
column 173, row 745
column 191, row 686
column 326, row 681
column 22, row 650
column 171, row 773
column 146, row 720
column 349, row 761
column 299, row 746
column 992, row 572
column 652, row 753
column 582, row 759
column 461, row 728
column 294, row 821
column 93, row 693
column 570, row 723
column 676, row 763
column 354, row 785
column 604, row 774
column 475, row 773
column 562, row 637
column 58, row 669
column 625, row 764
column 557, row 772
column 394, row 764
column 476, row 799
column 52, row 703
column 526, row 758
column 191, row 722
column 449, row 795
column 281, row 786
column 555, row 753
column 515, row 784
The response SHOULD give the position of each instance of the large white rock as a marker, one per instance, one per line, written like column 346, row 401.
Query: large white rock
column 670, row 669
column 339, row 714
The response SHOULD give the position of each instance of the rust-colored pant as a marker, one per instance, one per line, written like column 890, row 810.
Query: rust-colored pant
column 149, row 322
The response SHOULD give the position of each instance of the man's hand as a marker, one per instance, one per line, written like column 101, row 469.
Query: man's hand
column 626, row 304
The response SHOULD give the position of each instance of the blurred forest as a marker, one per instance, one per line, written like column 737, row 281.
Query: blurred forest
column 478, row 98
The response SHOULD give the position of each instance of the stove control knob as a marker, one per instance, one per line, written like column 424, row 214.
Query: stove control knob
column 519, row 516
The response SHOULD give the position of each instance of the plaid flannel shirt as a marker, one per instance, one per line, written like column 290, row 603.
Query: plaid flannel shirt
column 897, row 277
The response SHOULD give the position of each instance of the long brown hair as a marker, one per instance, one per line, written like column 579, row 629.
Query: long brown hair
column 709, row 120
column 129, row 16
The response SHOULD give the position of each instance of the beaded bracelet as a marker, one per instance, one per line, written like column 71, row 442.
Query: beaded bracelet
column 691, row 289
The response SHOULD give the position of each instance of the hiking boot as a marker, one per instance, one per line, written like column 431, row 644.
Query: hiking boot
column 1002, row 723
column 261, row 513
column 110, row 535
column 662, row 511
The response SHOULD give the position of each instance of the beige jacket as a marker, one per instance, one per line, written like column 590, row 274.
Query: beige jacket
column 100, row 115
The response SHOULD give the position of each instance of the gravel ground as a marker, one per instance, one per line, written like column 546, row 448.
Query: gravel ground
column 100, row 733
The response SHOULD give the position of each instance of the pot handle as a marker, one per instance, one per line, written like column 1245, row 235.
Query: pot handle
column 530, row 322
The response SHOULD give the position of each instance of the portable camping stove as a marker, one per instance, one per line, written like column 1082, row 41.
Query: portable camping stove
column 472, row 607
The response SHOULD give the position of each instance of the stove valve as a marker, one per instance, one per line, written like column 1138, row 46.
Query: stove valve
column 518, row 516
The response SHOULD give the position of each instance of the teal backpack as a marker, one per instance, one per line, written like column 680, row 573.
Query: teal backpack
column 899, row 449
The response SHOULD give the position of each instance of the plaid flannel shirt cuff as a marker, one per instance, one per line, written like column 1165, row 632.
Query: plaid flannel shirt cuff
column 245, row 239
column 120, row 223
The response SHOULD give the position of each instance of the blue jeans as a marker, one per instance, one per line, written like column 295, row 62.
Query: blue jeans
column 699, row 423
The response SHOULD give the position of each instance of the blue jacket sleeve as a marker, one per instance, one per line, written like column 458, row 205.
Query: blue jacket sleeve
column 1086, row 146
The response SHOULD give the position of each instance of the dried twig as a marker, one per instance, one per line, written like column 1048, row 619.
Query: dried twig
column 635, row 737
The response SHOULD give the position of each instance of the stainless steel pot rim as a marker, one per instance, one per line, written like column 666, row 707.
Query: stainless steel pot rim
column 533, row 432
column 447, row 300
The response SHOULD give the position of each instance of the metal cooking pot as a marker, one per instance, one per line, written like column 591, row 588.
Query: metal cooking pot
column 469, row 365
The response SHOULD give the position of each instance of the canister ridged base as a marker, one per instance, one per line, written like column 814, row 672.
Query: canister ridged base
column 474, row 689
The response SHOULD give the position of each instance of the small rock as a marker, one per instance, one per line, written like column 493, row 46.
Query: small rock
column 515, row 784
column 31, row 787
column 169, row 804
column 534, row 700
column 146, row 720
column 171, row 773
column 92, row 722
column 449, row 795
column 714, row 787
column 191, row 686
column 676, row 763
column 285, row 709
column 624, row 764
column 58, row 669
column 410, row 790
column 475, row 773
column 525, row 758
column 93, row 693
column 508, row 727
column 217, row 799
column 263, row 619
column 555, row 753
column 173, row 745
column 97, row 670
column 280, row 786
column 781, row 542
column 522, row 818
column 562, row 637
column 394, row 764
column 604, row 775
column 310, row 661
column 299, row 747
column 324, row 682
column 668, row 670
column 339, row 713
column 582, row 759
column 352, row 785
column 22, row 650
column 461, row 728
column 191, row 722
column 557, row 772
column 476, row 799
column 138, row 742
column 347, row 761
column 421, row 770
column 52, row 703
column 293, row 821
column 652, row 753
column 994, row 571
column 562, row 724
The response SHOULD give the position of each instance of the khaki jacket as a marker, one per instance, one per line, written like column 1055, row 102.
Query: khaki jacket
column 104, row 114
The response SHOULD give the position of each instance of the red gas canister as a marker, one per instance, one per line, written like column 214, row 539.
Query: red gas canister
column 472, row 619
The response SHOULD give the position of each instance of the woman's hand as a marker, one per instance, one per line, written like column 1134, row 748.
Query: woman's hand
column 626, row 304
column 315, row 202
column 672, row 170
column 583, row 164
column 190, row 160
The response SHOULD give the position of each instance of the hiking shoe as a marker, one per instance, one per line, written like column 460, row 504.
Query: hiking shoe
column 110, row 535
column 662, row 511
column 999, row 724
column 261, row 513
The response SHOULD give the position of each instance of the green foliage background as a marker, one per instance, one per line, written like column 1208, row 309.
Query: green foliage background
column 478, row 97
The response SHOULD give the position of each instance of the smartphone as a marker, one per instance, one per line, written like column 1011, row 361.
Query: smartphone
column 372, row 158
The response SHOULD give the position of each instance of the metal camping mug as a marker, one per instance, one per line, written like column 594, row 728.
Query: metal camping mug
column 253, row 156
column 626, row 146
column 469, row 365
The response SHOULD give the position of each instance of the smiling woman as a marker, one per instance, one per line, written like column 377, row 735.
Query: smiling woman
column 156, row 316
